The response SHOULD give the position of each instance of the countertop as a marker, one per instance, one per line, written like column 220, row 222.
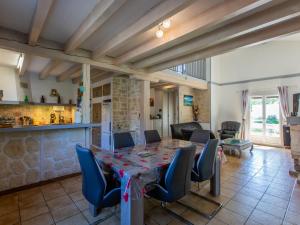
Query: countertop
column 50, row 127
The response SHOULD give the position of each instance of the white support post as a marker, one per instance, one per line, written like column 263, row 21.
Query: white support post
column 86, row 102
column 145, row 107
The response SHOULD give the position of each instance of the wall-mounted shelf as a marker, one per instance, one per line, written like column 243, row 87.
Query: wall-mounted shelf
column 33, row 103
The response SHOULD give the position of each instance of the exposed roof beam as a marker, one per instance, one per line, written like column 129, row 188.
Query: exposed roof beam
column 259, row 20
column 164, row 10
column 41, row 13
column 76, row 80
column 15, row 41
column 100, row 14
column 103, row 75
column 48, row 68
column 26, row 62
column 68, row 73
column 206, row 21
column 259, row 36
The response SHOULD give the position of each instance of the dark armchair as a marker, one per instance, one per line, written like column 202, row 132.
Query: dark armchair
column 229, row 129
column 183, row 131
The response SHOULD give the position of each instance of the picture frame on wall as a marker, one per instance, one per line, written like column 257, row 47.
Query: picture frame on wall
column 296, row 102
column 187, row 100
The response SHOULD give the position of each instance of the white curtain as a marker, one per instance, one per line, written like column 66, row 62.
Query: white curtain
column 284, row 101
column 245, row 102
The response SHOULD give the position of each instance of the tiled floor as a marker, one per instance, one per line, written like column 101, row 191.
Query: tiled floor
column 255, row 190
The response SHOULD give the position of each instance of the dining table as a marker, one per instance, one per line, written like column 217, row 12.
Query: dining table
column 141, row 165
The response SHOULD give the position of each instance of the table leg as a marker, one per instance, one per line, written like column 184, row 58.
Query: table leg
column 132, row 210
column 215, row 181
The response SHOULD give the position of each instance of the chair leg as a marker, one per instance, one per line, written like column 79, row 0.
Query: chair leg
column 177, row 216
column 208, row 216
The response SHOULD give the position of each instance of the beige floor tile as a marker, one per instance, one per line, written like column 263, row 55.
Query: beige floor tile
column 294, row 207
column 51, row 191
column 74, row 220
column 64, row 212
column 275, row 200
column 8, row 204
column 32, row 200
column 264, row 218
column 230, row 217
column 239, row 208
column 28, row 193
column 82, row 204
column 10, row 218
column 105, row 213
column 269, row 208
column 292, row 217
column 245, row 199
column 59, row 202
column 111, row 221
column 44, row 219
column 33, row 211
column 194, row 217
column 251, row 193
column 160, row 216
column 215, row 221
column 252, row 222
column 76, row 196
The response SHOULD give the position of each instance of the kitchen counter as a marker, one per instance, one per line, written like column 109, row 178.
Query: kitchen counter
column 50, row 127
column 34, row 154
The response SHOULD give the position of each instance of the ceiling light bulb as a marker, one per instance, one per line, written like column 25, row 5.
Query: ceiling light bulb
column 159, row 33
column 166, row 23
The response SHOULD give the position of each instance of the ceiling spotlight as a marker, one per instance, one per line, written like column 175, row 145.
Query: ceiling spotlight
column 166, row 23
column 159, row 33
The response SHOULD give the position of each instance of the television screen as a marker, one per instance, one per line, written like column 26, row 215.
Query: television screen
column 187, row 100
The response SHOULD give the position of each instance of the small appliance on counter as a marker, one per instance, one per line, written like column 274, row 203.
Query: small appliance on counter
column 6, row 121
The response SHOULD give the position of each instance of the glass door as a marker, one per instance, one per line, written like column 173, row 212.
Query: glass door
column 265, row 120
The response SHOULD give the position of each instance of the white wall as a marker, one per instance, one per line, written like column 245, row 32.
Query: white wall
column 67, row 90
column 268, row 60
column 8, row 81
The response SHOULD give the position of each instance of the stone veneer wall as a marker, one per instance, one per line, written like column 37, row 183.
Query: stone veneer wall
column 126, row 94
column 30, row 157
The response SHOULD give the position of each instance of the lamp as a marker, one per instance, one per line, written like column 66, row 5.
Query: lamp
column 159, row 33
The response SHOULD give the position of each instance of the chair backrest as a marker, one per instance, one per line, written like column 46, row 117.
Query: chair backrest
column 178, row 176
column 200, row 136
column 231, row 126
column 206, row 161
column 93, row 180
column 152, row 136
column 123, row 140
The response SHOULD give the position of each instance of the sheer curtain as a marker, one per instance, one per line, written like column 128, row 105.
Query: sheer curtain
column 284, row 101
column 245, row 102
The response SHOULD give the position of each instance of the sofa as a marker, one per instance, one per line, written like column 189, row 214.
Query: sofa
column 183, row 131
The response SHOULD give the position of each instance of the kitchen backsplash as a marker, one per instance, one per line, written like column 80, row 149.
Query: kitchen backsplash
column 39, row 113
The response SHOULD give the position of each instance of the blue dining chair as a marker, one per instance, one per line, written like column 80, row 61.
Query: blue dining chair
column 152, row 136
column 123, row 140
column 176, row 182
column 203, row 170
column 95, row 187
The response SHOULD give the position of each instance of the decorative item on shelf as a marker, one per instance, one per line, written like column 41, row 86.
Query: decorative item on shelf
column 71, row 102
column 59, row 99
column 43, row 100
column 151, row 102
column 26, row 99
column 54, row 93
column 52, row 118
column 196, row 112
column 1, row 95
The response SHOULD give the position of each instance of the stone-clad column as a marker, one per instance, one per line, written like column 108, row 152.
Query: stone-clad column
column 295, row 150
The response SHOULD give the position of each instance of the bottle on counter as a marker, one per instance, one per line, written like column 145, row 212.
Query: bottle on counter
column 78, row 115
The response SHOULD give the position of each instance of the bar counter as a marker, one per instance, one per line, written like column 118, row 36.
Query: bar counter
column 32, row 154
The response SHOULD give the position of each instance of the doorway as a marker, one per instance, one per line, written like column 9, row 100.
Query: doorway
column 265, row 120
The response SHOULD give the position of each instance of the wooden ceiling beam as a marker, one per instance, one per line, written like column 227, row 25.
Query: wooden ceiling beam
column 162, row 11
column 68, row 73
column 26, row 63
column 48, row 68
column 268, row 17
column 100, row 14
column 15, row 41
column 42, row 10
column 256, row 37
column 210, row 19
